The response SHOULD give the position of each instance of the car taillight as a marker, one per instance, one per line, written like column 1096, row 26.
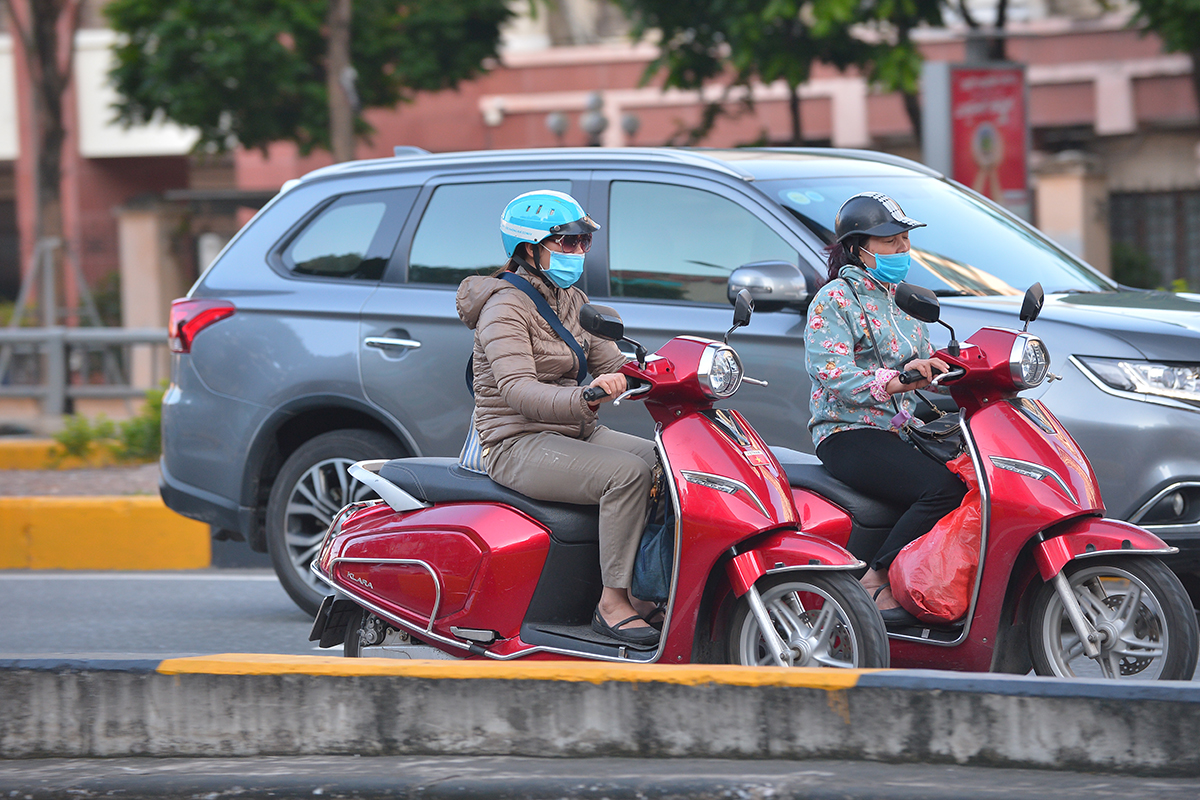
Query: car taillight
column 189, row 317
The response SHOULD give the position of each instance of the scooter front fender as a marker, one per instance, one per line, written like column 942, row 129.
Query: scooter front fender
column 781, row 551
column 1086, row 537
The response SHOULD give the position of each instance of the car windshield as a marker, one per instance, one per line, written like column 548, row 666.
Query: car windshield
column 968, row 248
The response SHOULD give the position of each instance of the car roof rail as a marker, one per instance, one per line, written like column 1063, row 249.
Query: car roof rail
column 404, row 150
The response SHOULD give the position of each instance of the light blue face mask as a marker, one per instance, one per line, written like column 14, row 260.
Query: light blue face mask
column 890, row 267
column 564, row 269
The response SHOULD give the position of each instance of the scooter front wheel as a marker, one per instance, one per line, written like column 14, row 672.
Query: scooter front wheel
column 825, row 619
column 1140, row 611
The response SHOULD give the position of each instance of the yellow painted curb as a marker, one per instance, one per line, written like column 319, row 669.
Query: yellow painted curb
column 122, row 533
column 573, row 671
column 38, row 454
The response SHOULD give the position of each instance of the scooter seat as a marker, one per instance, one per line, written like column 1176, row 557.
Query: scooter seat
column 805, row 471
column 442, row 480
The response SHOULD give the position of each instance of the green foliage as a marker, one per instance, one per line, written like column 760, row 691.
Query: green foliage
column 1132, row 267
column 78, row 437
column 769, row 40
column 1177, row 22
column 252, row 71
column 107, row 295
column 137, row 439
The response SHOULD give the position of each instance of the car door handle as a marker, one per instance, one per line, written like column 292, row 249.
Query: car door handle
column 384, row 342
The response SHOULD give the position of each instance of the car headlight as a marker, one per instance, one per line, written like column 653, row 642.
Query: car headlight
column 720, row 370
column 1029, row 361
column 1179, row 381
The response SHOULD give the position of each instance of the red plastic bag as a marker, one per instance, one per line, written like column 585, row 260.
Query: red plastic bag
column 932, row 576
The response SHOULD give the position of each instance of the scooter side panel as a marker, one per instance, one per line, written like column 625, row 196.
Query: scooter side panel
column 486, row 560
column 821, row 518
column 714, row 518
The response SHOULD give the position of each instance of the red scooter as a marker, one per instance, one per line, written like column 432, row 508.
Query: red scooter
column 449, row 564
column 1060, row 588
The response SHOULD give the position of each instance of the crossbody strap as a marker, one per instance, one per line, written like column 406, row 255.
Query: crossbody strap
column 552, row 319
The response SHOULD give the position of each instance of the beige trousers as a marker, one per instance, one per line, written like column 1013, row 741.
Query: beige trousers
column 609, row 468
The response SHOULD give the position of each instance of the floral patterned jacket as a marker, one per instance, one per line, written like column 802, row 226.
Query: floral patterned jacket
column 848, row 379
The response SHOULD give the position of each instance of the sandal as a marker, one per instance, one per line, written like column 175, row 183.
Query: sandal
column 897, row 617
column 639, row 636
column 659, row 612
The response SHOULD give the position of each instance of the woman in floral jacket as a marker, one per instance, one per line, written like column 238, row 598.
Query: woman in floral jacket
column 858, row 403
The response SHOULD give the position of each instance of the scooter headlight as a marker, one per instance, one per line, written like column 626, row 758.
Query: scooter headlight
column 1029, row 361
column 720, row 371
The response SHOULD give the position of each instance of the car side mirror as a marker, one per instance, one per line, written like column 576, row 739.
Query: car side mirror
column 1035, row 298
column 919, row 302
column 602, row 321
column 773, row 285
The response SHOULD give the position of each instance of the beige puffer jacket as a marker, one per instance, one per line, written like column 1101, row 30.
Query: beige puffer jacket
column 524, row 373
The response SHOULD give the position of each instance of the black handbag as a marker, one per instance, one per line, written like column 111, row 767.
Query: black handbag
column 940, row 439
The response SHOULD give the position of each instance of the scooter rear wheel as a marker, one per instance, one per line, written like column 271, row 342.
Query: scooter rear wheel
column 1138, row 605
column 826, row 619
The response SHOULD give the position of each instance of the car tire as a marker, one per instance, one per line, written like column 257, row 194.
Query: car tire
column 312, row 486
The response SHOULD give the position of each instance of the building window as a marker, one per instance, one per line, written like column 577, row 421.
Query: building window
column 1160, row 229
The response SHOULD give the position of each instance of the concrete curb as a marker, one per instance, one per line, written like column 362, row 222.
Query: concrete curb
column 100, row 533
column 23, row 453
column 237, row 705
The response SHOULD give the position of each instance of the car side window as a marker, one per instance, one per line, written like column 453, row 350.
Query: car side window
column 351, row 237
column 459, row 233
column 680, row 243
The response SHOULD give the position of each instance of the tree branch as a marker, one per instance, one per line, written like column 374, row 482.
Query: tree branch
column 20, row 27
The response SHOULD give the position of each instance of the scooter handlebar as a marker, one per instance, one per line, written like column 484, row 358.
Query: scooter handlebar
column 593, row 393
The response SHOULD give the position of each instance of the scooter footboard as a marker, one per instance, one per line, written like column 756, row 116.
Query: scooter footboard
column 786, row 550
column 1094, row 536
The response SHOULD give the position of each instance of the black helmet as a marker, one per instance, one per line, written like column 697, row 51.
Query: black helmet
column 872, row 214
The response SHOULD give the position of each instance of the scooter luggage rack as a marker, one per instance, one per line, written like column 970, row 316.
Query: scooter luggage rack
column 410, row 562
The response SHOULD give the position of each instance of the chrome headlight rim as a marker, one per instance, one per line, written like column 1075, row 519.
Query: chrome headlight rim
column 1028, row 350
column 715, row 382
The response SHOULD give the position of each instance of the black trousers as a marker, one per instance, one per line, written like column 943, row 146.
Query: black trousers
column 880, row 464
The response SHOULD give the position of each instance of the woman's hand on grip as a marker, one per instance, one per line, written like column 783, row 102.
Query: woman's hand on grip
column 613, row 383
column 926, row 367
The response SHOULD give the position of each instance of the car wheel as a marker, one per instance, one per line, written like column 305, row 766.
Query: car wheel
column 311, row 488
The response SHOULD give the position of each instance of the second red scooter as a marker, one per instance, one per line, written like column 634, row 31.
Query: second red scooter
column 1060, row 588
column 449, row 564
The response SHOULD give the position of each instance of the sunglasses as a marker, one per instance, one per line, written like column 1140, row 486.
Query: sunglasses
column 573, row 241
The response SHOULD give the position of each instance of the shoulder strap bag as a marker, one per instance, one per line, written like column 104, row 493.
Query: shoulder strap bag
column 941, row 439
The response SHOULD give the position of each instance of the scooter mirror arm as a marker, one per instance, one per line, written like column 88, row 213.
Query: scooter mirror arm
column 951, row 348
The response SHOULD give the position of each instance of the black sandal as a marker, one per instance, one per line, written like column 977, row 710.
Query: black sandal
column 639, row 636
column 897, row 617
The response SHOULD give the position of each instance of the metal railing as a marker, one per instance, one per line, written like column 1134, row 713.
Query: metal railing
column 59, row 364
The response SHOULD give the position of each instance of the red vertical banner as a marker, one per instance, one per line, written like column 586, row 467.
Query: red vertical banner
column 989, row 132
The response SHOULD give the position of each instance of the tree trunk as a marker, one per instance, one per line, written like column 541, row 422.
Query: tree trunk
column 339, row 80
column 1195, row 54
column 794, row 108
column 912, row 106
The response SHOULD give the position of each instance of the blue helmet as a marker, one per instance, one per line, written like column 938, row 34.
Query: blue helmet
column 533, row 216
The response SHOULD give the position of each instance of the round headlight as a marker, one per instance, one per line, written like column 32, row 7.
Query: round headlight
column 720, row 371
column 1029, row 361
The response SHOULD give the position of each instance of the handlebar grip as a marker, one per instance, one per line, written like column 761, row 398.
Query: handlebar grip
column 910, row 376
column 593, row 393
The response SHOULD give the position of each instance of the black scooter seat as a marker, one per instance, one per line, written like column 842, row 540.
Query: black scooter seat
column 442, row 480
column 805, row 471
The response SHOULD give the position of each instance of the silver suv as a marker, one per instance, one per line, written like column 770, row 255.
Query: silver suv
column 326, row 332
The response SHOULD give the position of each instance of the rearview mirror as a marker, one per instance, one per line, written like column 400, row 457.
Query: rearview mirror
column 1035, row 298
column 919, row 302
column 743, row 308
column 772, row 285
column 602, row 321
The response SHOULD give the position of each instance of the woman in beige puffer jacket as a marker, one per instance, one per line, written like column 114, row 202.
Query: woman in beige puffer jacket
column 539, row 436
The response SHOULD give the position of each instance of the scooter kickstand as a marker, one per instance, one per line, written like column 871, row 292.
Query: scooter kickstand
column 775, row 645
column 1088, row 636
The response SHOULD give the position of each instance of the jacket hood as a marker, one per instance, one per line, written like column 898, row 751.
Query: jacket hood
column 473, row 293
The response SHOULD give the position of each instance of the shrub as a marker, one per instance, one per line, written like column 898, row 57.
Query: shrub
column 136, row 440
